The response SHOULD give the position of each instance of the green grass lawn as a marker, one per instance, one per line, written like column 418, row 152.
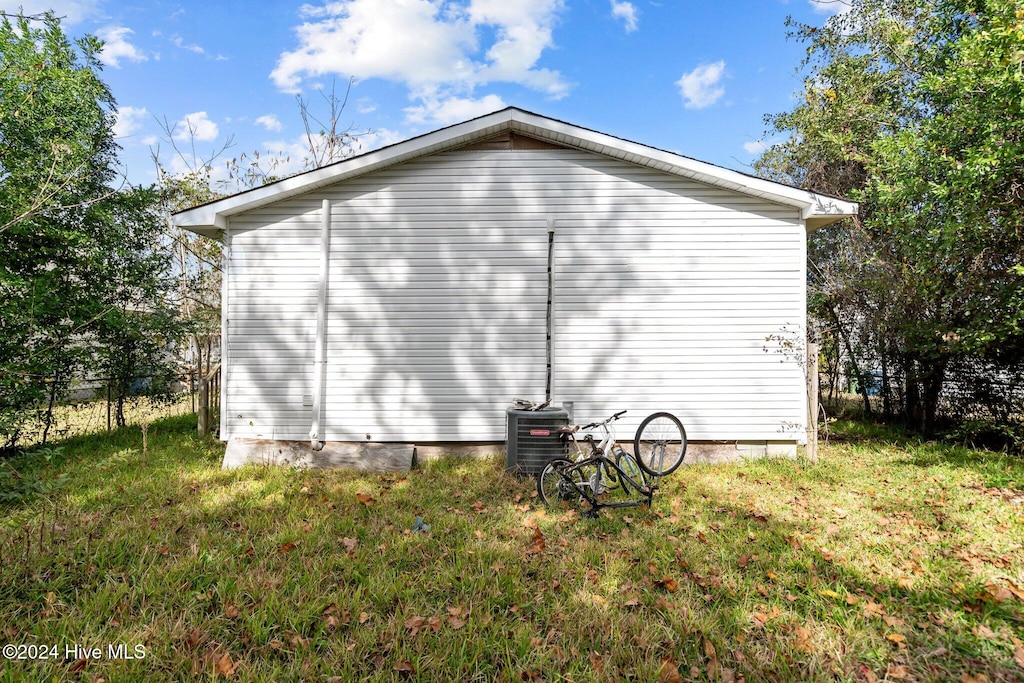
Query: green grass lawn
column 889, row 559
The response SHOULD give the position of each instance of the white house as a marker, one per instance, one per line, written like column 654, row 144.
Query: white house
column 403, row 295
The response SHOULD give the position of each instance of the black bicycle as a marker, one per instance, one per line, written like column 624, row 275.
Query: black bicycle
column 606, row 476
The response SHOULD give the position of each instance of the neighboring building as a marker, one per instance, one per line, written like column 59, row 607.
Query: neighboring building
column 420, row 272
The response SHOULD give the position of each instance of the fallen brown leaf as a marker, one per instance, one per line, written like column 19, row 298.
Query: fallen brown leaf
column 669, row 671
column 897, row 639
column 712, row 655
column 874, row 609
column 802, row 643
column 997, row 593
column 224, row 666
column 983, row 631
column 668, row 583
column 897, row 672
column 537, row 542
column 661, row 603
column 414, row 624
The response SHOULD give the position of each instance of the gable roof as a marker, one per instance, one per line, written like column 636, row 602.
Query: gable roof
column 817, row 209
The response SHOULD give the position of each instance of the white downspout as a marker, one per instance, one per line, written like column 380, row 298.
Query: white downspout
column 320, row 352
column 226, row 273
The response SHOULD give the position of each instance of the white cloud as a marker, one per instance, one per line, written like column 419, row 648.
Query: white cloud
column 755, row 146
column 523, row 31
column 287, row 157
column 402, row 40
column 116, row 46
column 439, row 49
column 70, row 11
column 129, row 121
column 831, row 6
column 453, row 109
column 178, row 165
column 269, row 121
column 700, row 88
column 365, row 105
column 191, row 47
column 627, row 12
column 196, row 126
column 381, row 137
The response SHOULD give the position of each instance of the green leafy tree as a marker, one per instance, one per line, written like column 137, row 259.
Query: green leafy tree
column 136, row 336
column 73, row 247
column 913, row 107
column 56, row 153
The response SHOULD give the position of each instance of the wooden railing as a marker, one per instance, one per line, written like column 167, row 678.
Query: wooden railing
column 209, row 399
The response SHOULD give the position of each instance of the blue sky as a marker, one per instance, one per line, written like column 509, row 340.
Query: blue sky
column 688, row 76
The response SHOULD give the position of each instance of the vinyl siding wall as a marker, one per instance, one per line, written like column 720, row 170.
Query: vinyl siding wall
column 666, row 291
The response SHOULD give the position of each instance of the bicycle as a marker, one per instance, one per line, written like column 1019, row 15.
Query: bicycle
column 660, row 445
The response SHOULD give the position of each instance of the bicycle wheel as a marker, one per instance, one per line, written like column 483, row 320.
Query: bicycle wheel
column 554, row 483
column 660, row 444
column 609, row 477
column 627, row 463
column 594, row 474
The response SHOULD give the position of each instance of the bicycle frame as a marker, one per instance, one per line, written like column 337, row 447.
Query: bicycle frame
column 600, row 461
column 605, row 446
column 590, row 493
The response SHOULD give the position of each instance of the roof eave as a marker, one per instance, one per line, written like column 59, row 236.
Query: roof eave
column 817, row 210
column 211, row 217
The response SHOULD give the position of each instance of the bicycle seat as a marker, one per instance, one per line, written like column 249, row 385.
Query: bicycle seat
column 568, row 430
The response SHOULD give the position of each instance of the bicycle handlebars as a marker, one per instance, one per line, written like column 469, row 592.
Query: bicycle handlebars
column 614, row 417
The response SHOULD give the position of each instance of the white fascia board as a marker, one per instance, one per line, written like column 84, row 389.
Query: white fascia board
column 811, row 204
column 816, row 210
column 209, row 218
